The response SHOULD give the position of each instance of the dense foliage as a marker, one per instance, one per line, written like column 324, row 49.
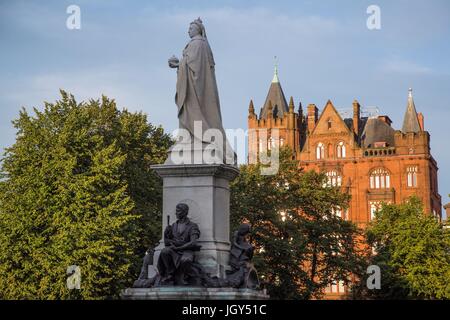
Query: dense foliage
column 302, row 244
column 412, row 250
column 77, row 189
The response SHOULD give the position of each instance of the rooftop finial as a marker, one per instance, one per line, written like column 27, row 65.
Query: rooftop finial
column 275, row 72
column 410, row 92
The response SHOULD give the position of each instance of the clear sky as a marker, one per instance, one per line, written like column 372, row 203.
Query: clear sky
column 324, row 48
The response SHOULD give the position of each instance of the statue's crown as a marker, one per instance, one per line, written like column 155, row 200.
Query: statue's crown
column 198, row 22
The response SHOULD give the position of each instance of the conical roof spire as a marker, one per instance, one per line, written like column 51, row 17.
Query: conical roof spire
column 276, row 97
column 411, row 121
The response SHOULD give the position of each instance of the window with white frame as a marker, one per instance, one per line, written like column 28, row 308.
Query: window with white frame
column 380, row 179
column 334, row 179
column 411, row 176
column 340, row 152
column 320, row 151
column 337, row 211
column 336, row 287
column 343, row 214
column 375, row 206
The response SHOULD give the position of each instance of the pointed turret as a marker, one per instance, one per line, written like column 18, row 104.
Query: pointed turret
column 251, row 111
column 276, row 97
column 251, row 108
column 411, row 121
column 291, row 105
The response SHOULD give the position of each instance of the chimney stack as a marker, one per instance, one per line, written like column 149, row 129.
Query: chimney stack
column 312, row 116
column 421, row 121
column 356, row 116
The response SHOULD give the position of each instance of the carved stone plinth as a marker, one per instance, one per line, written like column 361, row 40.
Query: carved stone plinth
column 205, row 189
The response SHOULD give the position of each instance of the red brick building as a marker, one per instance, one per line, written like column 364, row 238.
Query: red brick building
column 366, row 156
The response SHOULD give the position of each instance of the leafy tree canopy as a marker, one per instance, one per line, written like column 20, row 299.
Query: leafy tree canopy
column 413, row 251
column 301, row 242
column 77, row 189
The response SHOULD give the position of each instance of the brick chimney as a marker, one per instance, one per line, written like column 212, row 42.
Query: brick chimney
column 313, row 114
column 421, row 121
column 356, row 116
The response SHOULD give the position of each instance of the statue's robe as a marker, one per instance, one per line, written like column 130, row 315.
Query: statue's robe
column 241, row 252
column 197, row 96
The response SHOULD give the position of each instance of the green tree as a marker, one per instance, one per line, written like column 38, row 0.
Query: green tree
column 412, row 250
column 77, row 189
column 301, row 244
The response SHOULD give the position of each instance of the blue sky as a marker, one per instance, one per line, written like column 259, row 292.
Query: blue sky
column 325, row 51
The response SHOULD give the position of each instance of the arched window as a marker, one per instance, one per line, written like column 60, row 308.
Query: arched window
column 380, row 179
column 281, row 142
column 340, row 150
column 411, row 173
column 334, row 179
column 261, row 146
column 320, row 151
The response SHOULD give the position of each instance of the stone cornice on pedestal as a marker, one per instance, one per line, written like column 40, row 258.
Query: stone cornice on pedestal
column 191, row 170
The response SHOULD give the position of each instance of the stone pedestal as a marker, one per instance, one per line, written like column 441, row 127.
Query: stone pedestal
column 205, row 189
column 192, row 293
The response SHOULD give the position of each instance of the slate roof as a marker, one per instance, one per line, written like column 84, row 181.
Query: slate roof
column 277, row 98
column 376, row 130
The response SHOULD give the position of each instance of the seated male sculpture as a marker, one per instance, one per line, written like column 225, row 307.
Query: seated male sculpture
column 176, row 260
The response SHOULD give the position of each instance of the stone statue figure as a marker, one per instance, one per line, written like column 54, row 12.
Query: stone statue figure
column 242, row 274
column 197, row 96
column 145, row 279
column 176, row 264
